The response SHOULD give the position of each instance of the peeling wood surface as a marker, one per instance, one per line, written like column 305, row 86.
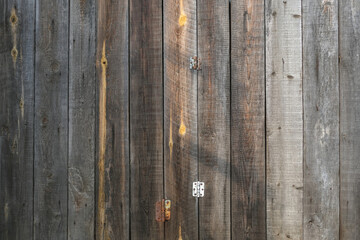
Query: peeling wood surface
column 112, row 64
column 16, row 118
column 284, row 120
column 349, row 33
column 146, row 118
column 214, row 118
column 180, row 118
column 321, row 119
column 82, row 85
column 248, row 120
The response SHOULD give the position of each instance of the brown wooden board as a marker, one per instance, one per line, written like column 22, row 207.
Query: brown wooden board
column 146, row 117
column 112, row 63
column 81, row 120
column 321, row 119
column 16, row 118
column 51, row 120
column 248, row 120
column 214, row 118
column 284, row 120
column 180, row 120
column 349, row 34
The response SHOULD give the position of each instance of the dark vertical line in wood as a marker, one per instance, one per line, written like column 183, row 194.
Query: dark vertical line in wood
column 68, row 119
column 129, row 116
column 265, row 120
column 340, row 134
column 231, row 119
column 33, row 124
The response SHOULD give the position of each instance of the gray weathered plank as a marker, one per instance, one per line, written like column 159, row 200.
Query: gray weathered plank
column 214, row 118
column 321, row 119
column 284, row 120
column 16, row 118
column 146, row 117
column 248, row 119
column 349, row 33
column 180, row 120
column 51, row 120
column 81, row 120
column 113, row 120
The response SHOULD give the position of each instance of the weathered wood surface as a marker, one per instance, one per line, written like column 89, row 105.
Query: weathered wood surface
column 214, row 118
column 321, row 119
column 284, row 120
column 180, row 118
column 146, row 117
column 51, row 120
column 112, row 63
column 248, row 120
column 82, row 85
column 16, row 118
column 349, row 33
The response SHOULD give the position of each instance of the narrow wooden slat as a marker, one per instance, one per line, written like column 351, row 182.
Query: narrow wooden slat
column 146, row 117
column 349, row 33
column 248, row 119
column 214, row 118
column 284, row 120
column 81, row 120
column 51, row 120
column 112, row 213
column 16, row 118
column 180, row 121
column 321, row 120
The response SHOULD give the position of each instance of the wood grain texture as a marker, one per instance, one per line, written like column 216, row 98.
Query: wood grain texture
column 214, row 118
column 180, row 120
column 321, row 119
column 248, row 119
column 349, row 22
column 112, row 213
column 51, row 120
column 284, row 120
column 81, row 120
column 16, row 118
column 146, row 117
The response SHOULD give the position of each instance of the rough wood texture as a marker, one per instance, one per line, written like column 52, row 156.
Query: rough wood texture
column 321, row 120
column 349, row 119
column 180, row 120
column 112, row 213
column 81, row 120
column 214, row 118
column 248, row 119
column 146, row 117
column 51, row 120
column 284, row 120
column 16, row 118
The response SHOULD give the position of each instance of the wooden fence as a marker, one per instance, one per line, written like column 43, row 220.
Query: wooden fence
column 101, row 117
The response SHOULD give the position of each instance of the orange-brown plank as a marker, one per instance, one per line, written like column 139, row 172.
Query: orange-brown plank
column 180, row 121
column 112, row 63
column 146, row 117
column 248, row 119
column 214, row 118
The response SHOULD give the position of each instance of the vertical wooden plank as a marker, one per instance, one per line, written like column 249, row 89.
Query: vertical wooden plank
column 16, row 118
column 180, row 121
column 349, row 30
column 214, row 118
column 321, row 119
column 284, row 119
column 51, row 120
column 112, row 217
column 81, row 120
column 146, row 117
column 248, row 119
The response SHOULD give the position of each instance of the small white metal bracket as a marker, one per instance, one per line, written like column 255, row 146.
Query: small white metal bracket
column 198, row 189
column 195, row 63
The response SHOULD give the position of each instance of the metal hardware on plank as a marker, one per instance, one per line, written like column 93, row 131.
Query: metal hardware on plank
column 195, row 63
column 198, row 189
column 163, row 210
